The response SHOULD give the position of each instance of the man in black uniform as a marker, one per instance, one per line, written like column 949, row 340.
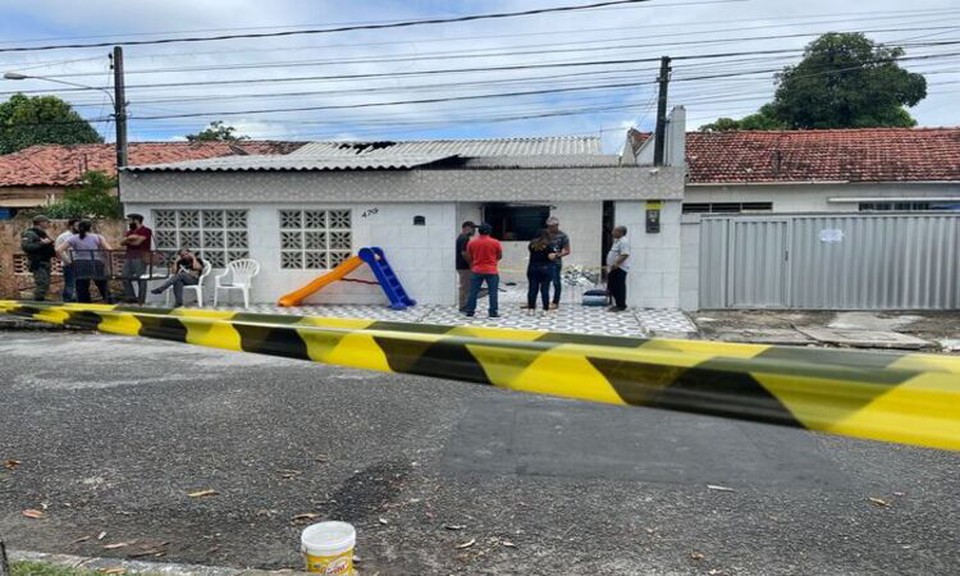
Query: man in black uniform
column 39, row 249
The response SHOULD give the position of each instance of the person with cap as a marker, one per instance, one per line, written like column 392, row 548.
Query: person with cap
column 467, row 230
column 39, row 248
column 561, row 246
column 137, row 242
column 484, row 253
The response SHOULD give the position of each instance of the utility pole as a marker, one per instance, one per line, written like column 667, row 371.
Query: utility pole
column 119, row 112
column 659, row 144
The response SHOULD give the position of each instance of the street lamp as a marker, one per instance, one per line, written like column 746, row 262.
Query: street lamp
column 119, row 102
column 19, row 76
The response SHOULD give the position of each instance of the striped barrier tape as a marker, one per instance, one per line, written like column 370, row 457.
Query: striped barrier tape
column 906, row 398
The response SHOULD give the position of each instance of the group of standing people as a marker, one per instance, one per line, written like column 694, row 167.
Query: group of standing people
column 478, row 260
column 84, row 257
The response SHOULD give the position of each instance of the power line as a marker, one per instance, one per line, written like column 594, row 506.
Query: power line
column 566, row 33
column 339, row 29
column 476, row 54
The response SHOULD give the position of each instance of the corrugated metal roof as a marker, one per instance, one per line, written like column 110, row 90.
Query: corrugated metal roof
column 502, row 153
column 296, row 163
column 553, row 146
column 554, row 161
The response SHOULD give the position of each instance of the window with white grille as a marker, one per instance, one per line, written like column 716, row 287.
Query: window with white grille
column 219, row 236
column 314, row 239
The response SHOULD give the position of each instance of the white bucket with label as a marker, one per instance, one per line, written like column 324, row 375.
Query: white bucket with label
column 328, row 548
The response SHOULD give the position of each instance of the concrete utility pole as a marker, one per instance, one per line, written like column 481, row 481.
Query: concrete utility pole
column 659, row 144
column 120, row 107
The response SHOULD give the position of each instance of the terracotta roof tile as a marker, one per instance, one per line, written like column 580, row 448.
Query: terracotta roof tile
column 57, row 165
column 862, row 155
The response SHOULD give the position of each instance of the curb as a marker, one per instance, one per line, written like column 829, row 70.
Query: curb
column 139, row 566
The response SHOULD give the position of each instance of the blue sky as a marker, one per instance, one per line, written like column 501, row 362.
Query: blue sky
column 565, row 49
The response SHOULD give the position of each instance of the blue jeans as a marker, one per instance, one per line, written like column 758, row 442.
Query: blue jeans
column 557, row 282
column 69, row 283
column 493, row 285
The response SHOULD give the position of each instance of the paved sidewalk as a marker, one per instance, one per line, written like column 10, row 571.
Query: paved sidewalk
column 568, row 318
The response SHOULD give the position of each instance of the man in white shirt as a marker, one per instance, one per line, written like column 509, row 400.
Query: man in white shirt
column 66, row 263
column 617, row 266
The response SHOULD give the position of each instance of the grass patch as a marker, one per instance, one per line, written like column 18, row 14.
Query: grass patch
column 43, row 569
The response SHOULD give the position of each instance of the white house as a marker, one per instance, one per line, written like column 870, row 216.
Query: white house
column 301, row 214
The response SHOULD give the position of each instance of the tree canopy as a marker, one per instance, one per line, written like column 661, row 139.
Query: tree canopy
column 844, row 80
column 217, row 132
column 27, row 121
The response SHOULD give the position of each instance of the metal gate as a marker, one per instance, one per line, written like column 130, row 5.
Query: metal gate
column 831, row 261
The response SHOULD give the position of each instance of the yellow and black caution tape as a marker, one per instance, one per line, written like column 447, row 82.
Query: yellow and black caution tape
column 906, row 398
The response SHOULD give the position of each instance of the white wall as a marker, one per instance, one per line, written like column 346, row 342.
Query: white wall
column 421, row 256
column 654, row 277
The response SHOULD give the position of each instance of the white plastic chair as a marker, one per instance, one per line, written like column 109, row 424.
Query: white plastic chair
column 241, row 274
column 198, row 287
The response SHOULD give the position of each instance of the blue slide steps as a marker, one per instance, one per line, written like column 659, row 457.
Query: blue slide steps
column 399, row 300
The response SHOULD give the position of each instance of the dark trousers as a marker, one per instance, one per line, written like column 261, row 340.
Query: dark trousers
column 538, row 280
column 493, row 285
column 69, row 282
column 617, row 287
column 177, row 282
column 86, row 270
column 41, row 279
column 557, row 282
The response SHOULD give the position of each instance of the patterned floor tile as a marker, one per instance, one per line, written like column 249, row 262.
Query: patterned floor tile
column 570, row 317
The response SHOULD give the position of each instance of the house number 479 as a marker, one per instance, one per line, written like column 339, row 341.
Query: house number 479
column 369, row 212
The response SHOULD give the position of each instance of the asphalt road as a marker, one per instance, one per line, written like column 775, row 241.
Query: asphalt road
column 113, row 434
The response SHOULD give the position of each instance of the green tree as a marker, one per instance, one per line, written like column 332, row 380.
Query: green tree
column 765, row 119
column 93, row 198
column 27, row 121
column 843, row 81
column 217, row 132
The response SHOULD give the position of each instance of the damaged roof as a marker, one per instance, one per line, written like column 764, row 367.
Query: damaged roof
column 388, row 155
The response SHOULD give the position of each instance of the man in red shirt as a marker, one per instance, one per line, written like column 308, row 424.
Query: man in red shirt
column 137, row 241
column 485, row 253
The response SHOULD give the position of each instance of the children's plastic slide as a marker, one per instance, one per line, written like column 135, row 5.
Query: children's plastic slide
column 373, row 257
column 297, row 296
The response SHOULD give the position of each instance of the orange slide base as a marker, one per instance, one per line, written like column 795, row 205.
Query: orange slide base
column 297, row 296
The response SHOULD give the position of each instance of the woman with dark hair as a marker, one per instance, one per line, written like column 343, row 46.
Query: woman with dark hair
column 540, row 270
column 88, row 251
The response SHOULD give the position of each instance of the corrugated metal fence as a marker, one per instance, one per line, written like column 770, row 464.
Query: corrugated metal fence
column 831, row 261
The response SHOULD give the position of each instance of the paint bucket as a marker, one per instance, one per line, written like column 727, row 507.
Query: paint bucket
column 328, row 548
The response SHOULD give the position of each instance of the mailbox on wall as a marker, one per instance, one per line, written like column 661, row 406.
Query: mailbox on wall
column 653, row 216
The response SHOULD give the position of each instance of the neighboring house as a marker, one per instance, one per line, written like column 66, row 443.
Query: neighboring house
column 824, row 242
column 301, row 214
column 41, row 174
column 866, row 170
